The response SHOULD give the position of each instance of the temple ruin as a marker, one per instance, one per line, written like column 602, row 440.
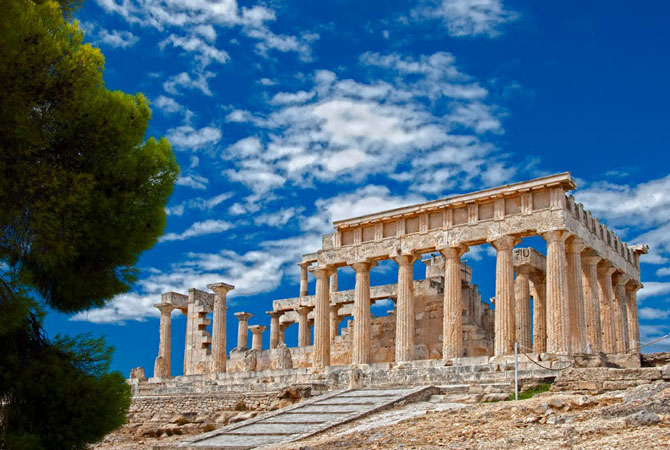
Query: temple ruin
column 578, row 301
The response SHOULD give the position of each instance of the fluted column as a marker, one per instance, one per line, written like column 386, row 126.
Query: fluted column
column 522, row 308
column 303, row 278
column 219, row 325
column 303, row 327
column 162, row 364
column 274, row 327
column 404, row 328
column 619, row 313
column 594, row 340
column 558, row 319
column 606, row 297
column 631, row 315
column 257, row 337
column 573, row 253
column 539, row 313
column 334, row 320
column 361, row 334
column 282, row 329
column 505, row 319
column 321, row 317
column 452, row 318
column 332, row 283
column 243, row 329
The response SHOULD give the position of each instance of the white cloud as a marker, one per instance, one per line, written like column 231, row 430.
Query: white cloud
column 167, row 105
column 205, row 54
column 653, row 313
column 278, row 218
column 198, row 229
column 118, row 39
column 653, row 289
column 663, row 271
column 187, row 137
column 284, row 98
column 199, row 82
column 649, row 333
column 199, row 203
column 193, row 181
column 469, row 17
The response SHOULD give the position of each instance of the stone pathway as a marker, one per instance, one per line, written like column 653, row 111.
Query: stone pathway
column 303, row 419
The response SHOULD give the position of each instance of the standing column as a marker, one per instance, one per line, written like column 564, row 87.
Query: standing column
column 619, row 313
column 631, row 315
column 606, row 297
column 219, row 325
column 274, row 327
column 452, row 318
column 361, row 334
column 333, row 282
column 505, row 320
column 558, row 319
column 243, row 330
column 573, row 253
column 539, row 314
column 334, row 321
column 282, row 329
column 321, row 317
column 303, row 278
column 303, row 327
column 257, row 337
column 404, row 327
column 162, row 364
column 594, row 340
column 522, row 308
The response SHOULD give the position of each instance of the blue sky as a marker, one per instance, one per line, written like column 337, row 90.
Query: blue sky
column 287, row 115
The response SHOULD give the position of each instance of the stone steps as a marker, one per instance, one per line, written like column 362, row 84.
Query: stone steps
column 303, row 419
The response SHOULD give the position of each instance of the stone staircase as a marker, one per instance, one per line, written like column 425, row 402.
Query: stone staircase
column 473, row 393
column 304, row 419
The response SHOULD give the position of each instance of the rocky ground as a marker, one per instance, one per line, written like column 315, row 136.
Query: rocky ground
column 636, row 418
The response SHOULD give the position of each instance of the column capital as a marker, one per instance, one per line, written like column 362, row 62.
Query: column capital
column 257, row 329
column 504, row 242
column 243, row 316
column 284, row 325
column 303, row 310
column 220, row 288
column 335, row 307
column 633, row 286
column 620, row 278
column 590, row 258
column 605, row 268
column 453, row 250
column 304, row 264
column 275, row 314
column 167, row 307
column 403, row 258
column 362, row 266
column 574, row 245
column 322, row 271
column 555, row 235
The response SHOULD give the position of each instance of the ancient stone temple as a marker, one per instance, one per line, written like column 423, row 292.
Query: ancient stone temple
column 576, row 301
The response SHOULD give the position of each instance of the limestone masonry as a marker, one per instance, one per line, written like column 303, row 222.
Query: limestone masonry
column 577, row 303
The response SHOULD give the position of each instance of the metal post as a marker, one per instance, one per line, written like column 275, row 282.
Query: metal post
column 516, row 371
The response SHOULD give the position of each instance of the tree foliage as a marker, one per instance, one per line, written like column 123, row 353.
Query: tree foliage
column 82, row 195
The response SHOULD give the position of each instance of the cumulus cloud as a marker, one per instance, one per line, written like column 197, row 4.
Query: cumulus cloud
column 198, row 203
column 186, row 137
column 167, row 105
column 118, row 39
column 193, row 181
column 198, row 229
column 183, row 80
column 653, row 313
column 469, row 17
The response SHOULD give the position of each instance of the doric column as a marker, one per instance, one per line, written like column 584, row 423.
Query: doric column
column 303, row 327
column 334, row 321
column 404, row 328
column 321, row 317
column 522, row 308
column 558, row 319
column 219, row 325
column 606, row 297
column 243, row 329
column 594, row 340
column 619, row 312
column 303, row 278
column 573, row 254
column 282, row 329
column 505, row 319
column 257, row 337
column 539, row 313
column 631, row 315
column 162, row 364
column 274, row 327
column 333, row 281
column 361, row 334
column 452, row 317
